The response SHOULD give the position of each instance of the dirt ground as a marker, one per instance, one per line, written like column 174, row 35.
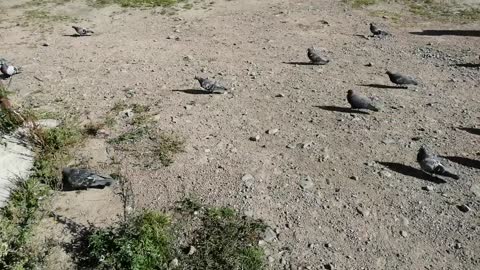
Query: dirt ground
column 365, row 205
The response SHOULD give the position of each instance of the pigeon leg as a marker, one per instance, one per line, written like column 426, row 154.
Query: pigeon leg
column 9, row 82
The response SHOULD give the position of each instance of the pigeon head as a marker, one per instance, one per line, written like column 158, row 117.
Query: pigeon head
column 350, row 92
column 198, row 78
column 388, row 72
column 422, row 153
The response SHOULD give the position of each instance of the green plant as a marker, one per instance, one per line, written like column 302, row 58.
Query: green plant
column 130, row 136
column 226, row 241
column 142, row 242
column 52, row 153
column 167, row 145
column 16, row 221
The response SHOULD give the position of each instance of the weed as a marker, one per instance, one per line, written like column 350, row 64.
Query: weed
column 118, row 106
column 360, row 3
column 167, row 146
column 150, row 240
column 52, row 152
column 36, row 15
column 142, row 242
column 130, row 136
column 16, row 221
column 224, row 240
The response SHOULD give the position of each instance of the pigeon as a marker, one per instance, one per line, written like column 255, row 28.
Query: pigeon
column 430, row 164
column 360, row 102
column 82, row 179
column 315, row 58
column 376, row 31
column 82, row 31
column 9, row 70
column 210, row 86
column 400, row 79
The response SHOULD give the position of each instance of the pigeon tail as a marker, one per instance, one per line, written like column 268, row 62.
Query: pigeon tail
column 372, row 108
column 451, row 175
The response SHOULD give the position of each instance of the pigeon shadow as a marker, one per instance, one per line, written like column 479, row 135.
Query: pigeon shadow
column 468, row 65
column 467, row 33
column 77, row 247
column 376, row 85
column 75, row 35
column 4, row 76
column 303, row 63
column 475, row 131
column 193, row 91
column 341, row 109
column 410, row 171
column 467, row 162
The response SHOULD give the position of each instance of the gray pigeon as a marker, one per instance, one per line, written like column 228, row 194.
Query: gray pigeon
column 210, row 86
column 9, row 70
column 82, row 179
column 82, row 31
column 315, row 57
column 360, row 102
column 400, row 79
column 430, row 164
column 376, row 31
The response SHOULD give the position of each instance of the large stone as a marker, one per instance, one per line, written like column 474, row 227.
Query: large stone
column 16, row 162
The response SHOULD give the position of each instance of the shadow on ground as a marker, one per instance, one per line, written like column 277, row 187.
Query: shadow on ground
column 410, row 171
column 192, row 91
column 340, row 109
column 376, row 85
column 464, row 161
column 475, row 131
column 468, row 65
column 467, row 33
column 303, row 63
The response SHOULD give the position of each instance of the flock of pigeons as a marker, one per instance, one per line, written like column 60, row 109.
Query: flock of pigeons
column 429, row 163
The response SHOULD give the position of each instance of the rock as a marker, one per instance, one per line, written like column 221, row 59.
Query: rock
column 464, row 208
column 457, row 245
column 328, row 266
column 248, row 180
column 188, row 58
column 354, row 178
column 127, row 113
column 476, row 189
column 270, row 235
column 271, row 259
column 428, row 188
column 191, row 250
column 328, row 245
column 255, row 138
column 16, row 162
column 174, row 263
column 306, row 183
column 363, row 212
column 404, row 234
column 291, row 146
column 307, row 145
column 170, row 37
column 369, row 64
column 385, row 173
column 45, row 44
column 272, row 131
column 280, row 95
column 48, row 123
column 188, row 107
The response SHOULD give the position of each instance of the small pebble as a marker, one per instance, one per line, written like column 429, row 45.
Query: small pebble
column 255, row 138
column 428, row 188
column 404, row 234
column 272, row 131
column 464, row 208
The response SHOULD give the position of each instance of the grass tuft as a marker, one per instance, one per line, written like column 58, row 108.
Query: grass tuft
column 167, row 146
column 143, row 242
column 17, row 219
